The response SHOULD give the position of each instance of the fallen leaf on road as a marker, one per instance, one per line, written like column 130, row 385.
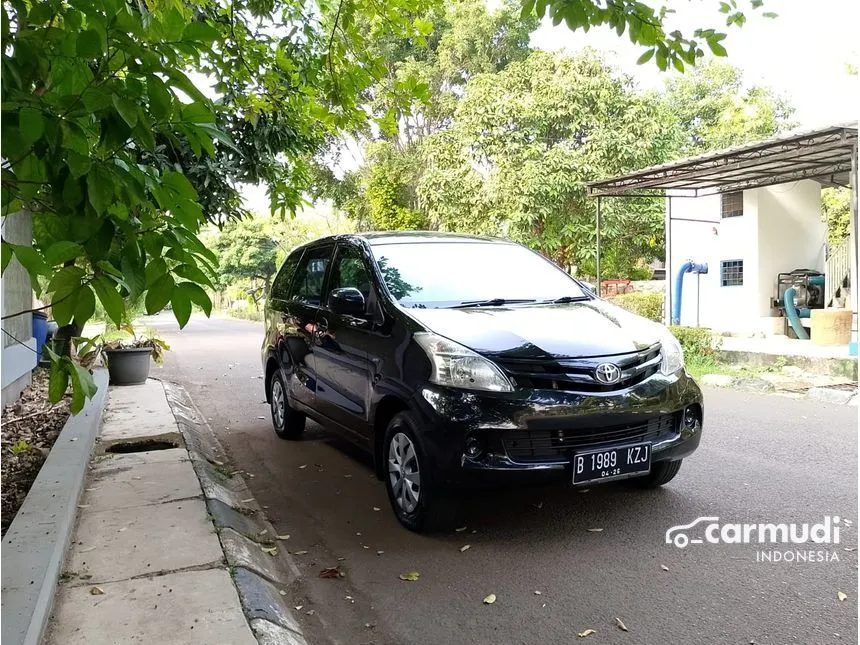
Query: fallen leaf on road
column 461, row 529
column 664, row 567
column 299, row 607
column 537, row 593
column 347, row 476
column 300, row 553
column 587, row 632
column 283, row 537
column 465, row 547
column 83, row 505
column 841, row 596
column 489, row 600
column 303, row 466
column 341, row 559
column 263, row 532
column 350, row 599
column 331, row 572
column 364, row 546
column 380, row 552
column 620, row 625
column 270, row 550
column 410, row 576
column 376, row 508
column 73, row 439
column 849, row 548
column 594, row 530
column 311, row 612
column 261, row 417
column 247, row 501
column 97, row 591
column 282, row 592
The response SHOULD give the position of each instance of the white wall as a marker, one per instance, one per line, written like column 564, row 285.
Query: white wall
column 780, row 230
column 791, row 234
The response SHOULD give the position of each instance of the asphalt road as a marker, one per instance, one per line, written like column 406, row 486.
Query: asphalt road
column 763, row 458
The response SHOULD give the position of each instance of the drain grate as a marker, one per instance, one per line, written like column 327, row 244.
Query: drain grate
column 125, row 447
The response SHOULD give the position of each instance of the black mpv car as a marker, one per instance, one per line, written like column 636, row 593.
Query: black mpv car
column 453, row 358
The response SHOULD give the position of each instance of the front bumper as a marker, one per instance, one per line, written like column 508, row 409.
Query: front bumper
column 538, row 431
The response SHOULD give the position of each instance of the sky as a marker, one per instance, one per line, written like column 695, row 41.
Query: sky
column 804, row 55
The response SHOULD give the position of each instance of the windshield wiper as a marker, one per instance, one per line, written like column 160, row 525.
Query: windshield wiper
column 492, row 302
column 563, row 300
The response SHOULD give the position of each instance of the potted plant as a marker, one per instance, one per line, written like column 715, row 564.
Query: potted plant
column 128, row 360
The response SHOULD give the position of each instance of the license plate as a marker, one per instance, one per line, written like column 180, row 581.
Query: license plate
column 611, row 463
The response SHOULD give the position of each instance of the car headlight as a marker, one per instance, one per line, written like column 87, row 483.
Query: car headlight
column 673, row 355
column 458, row 366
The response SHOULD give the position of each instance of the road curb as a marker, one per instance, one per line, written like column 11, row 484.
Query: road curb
column 242, row 529
column 35, row 546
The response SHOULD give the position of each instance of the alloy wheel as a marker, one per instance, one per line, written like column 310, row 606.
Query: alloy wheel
column 278, row 402
column 403, row 472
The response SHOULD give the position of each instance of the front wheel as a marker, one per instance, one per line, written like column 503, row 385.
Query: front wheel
column 418, row 503
column 661, row 473
column 288, row 423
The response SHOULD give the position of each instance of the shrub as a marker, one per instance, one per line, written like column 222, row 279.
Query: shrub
column 647, row 305
column 698, row 343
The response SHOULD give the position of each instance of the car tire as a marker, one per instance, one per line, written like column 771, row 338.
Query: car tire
column 417, row 501
column 661, row 473
column 288, row 423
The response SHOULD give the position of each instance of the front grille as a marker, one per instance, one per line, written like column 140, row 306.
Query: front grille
column 548, row 445
column 578, row 374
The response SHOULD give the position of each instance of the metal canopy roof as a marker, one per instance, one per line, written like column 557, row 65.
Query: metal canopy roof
column 823, row 155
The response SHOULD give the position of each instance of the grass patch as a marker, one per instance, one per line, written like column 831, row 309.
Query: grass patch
column 697, row 367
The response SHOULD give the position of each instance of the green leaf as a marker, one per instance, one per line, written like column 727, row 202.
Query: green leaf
column 678, row 63
column 7, row 254
column 100, row 189
column 198, row 296
column 192, row 273
column 72, row 193
column 181, row 301
column 200, row 32
column 127, row 109
column 64, row 304
column 159, row 294
column 31, row 260
column 644, row 58
column 62, row 251
column 31, row 124
column 528, row 8
column 133, row 270
column 179, row 184
column 110, row 299
column 59, row 380
column 85, row 305
column 182, row 82
column 79, row 396
column 66, row 279
column 717, row 48
column 154, row 270
column 89, row 44
column 160, row 98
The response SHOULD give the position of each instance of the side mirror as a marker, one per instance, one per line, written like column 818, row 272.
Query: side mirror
column 347, row 301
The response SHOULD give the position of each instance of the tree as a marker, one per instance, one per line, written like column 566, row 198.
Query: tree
column 247, row 251
column 836, row 212
column 714, row 110
column 525, row 140
column 115, row 151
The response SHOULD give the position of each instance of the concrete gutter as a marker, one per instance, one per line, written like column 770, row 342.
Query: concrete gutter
column 242, row 528
column 35, row 545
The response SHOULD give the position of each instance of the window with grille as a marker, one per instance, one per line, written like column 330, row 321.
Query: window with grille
column 732, row 205
column 732, row 273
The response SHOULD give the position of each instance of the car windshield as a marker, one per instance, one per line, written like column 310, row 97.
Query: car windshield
column 450, row 274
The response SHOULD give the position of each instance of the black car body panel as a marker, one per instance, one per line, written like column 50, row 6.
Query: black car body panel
column 352, row 371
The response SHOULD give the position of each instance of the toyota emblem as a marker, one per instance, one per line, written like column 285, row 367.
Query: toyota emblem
column 607, row 373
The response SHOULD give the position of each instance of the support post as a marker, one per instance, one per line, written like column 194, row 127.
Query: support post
column 853, row 256
column 599, row 199
column 667, row 313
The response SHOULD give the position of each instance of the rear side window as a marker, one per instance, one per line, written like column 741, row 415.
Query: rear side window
column 310, row 275
column 281, row 285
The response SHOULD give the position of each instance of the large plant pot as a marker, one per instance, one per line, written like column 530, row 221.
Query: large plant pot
column 129, row 366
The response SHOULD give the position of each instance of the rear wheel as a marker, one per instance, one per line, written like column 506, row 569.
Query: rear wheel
column 288, row 423
column 661, row 473
column 418, row 503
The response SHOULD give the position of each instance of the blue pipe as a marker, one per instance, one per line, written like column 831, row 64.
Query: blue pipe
column 687, row 267
column 793, row 314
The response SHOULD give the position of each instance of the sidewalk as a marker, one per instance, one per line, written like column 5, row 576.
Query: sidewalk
column 146, row 564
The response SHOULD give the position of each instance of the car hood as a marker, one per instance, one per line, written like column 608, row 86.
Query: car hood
column 571, row 330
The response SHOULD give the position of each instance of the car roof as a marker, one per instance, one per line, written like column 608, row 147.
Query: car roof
column 379, row 238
